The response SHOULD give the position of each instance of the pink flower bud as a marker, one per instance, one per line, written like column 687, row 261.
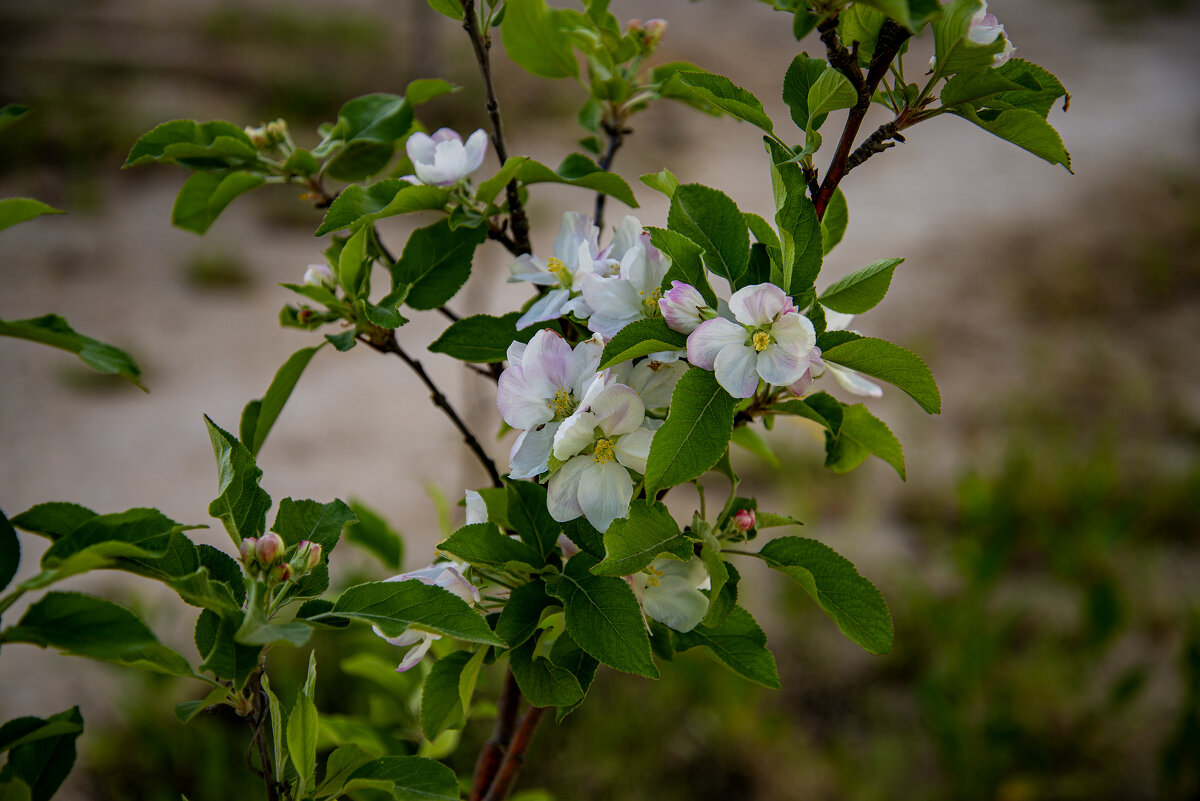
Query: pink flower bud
column 652, row 31
column 743, row 521
column 246, row 550
column 308, row 556
column 683, row 307
column 280, row 573
column 269, row 549
column 319, row 275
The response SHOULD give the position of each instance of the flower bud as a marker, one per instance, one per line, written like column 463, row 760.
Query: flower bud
column 683, row 307
column 743, row 521
column 258, row 136
column 319, row 275
column 269, row 548
column 246, row 550
column 280, row 573
column 307, row 556
column 652, row 32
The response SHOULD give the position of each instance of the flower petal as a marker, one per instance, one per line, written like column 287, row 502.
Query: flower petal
column 681, row 307
column 474, row 149
column 795, row 333
column 546, row 363
column 562, row 497
column 611, row 297
column 655, row 381
column 778, row 366
column 757, row 304
column 415, row 655
column 675, row 604
column 530, row 268
column 547, row 307
column 605, row 491
column 476, row 508
column 576, row 229
column 625, row 237
column 530, row 455
column 520, row 405
column 584, row 360
column 619, row 410
column 735, row 367
column 632, row 450
column 574, row 434
column 420, row 147
column 710, row 338
column 854, row 382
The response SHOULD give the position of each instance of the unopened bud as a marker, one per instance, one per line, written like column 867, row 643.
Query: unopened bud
column 743, row 521
column 280, row 573
column 258, row 136
column 634, row 26
column 319, row 275
column 652, row 32
column 307, row 556
column 246, row 551
column 304, row 315
column 277, row 132
column 269, row 549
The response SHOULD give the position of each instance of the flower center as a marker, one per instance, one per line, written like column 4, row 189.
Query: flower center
column 761, row 339
column 561, row 404
column 653, row 575
column 650, row 303
column 555, row 265
column 604, row 452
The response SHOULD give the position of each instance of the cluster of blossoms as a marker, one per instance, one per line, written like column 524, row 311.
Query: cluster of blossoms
column 266, row 556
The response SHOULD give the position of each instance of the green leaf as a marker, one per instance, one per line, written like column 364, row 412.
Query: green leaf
column 320, row 523
column 393, row 606
column 871, row 434
column 359, row 206
column 482, row 338
column 302, row 739
column 133, row 533
column 861, row 291
column 10, row 552
column 529, row 517
column 953, row 51
column 687, row 263
column 664, row 181
column 15, row 210
column 641, row 338
column 482, row 544
column 488, row 189
column 372, row 532
column 278, row 727
column 354, row 267
column 859, row 27
column 339, row 767
column 441, row 706
column 277, row 395
column 710, row 219
column 22, row 731
column 723, row 596
column 12, row 112
column 912, row 14
column 892, row 363
column 1024, row 128
column 852, row 602
column 535, row 37
column 378, row 117
column 520, row 616
column 541, row 681
column 604, row 617
column 585, row 536
column 728, row 96
column 407, row 778
column 975, row 86
column 799, row 227
column 196, row 145
column 436, row 263
column 1036, row 88
column 52, row 330
column 205, row 195
column 801, row 74
column 578, row 170
column 829, row 92
column 342, row 342
column 38, row 768
column 185, row 711
column 221, row 655
column 53, row 520
column 241, row 504
column 833, row 224
column 738, row 643
column 695, row 435
column 635, row 541
column 422, row 90
column 746, row 437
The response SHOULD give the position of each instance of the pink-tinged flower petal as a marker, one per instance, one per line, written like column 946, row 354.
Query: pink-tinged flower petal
column 474, row 150
column 710, row 338
column 605, row 491
column 319, row 275
column 530, row 454
column 576, row 229
column 816, row 368
column 476, row 508
column 520, row 405
column 1007, row 53
column 532, row 270
column 758, row 304
column 516, row 350
column 453, row 581
column 550, row 306
column 574, row 434
column 612, row 297
column 632, row 450
column 780, row 367
column 562, row 497
column 735, row 368
column 567, row 547
column 655, row 381
column 420, row 147
column 445, row 135
column 619, row 410
column 681, row 307
column 546, row 363
column 854, row 382
column 415, row 655
column 625, row 237
column 585, row 358
column 795, row 333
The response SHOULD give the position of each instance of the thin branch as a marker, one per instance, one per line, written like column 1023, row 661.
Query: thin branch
column 493, row 751
column 616, row 137
column 875, row 143
column 891, row 37
column 481, row 42
column 843, row 60
column 515, row 757
column 385, row 342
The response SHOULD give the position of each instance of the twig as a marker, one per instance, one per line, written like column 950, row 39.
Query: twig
column 891, row 37
column 515, row 757
column 493, row 751
column 843, row 60
column 481, row 42
column 615, row 133
column 385, row 342
column 875, row 143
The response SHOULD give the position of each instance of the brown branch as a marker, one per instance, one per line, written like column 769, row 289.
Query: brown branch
column 616, row 137
column 384, row 341
column 891, row 37
column 493, row 751
column 511, row 766
column 481, row 42
column 843, row 60
column 875, row 143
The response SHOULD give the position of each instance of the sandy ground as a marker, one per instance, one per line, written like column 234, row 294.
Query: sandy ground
column 952, row 201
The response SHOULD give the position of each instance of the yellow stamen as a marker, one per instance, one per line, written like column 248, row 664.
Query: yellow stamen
column 650, row 304
column 761, row 340
column 604, row 452
column 653, row 575
column 556, row 266
column 561, row 404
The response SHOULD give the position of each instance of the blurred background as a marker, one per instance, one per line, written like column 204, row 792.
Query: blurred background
column 1042, row 562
